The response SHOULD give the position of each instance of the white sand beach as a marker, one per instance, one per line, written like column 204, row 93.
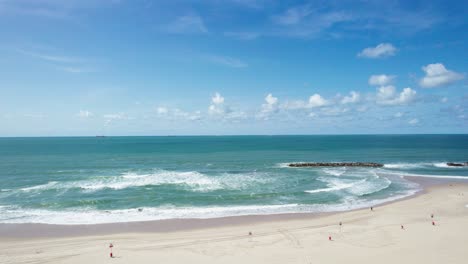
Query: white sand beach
column 365, row 237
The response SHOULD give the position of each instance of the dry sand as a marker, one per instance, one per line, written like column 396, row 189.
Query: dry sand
column 365, row 237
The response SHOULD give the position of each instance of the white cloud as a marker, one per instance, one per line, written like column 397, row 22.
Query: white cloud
column 398, row 115
column 162, row 110
column 354, row 97
column 380, row 51
column 188, row 24
column 271, row 106
column 413, row 121
column 217, row 106
column 177, row 114
column 444, row 100
column 217, row 99
column 215, row 110
column 271, row 100
column 317, row 101
column 438, row 75
column 381, row 79
column 85, row 114
column 387, row 95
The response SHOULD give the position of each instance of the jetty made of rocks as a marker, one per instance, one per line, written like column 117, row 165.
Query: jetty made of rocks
column 457, row 164
column 336, row 164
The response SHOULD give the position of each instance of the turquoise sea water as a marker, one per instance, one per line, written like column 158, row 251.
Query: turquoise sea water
column 101, row 180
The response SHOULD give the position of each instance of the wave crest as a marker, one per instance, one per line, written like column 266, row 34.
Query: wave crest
column 193, row 180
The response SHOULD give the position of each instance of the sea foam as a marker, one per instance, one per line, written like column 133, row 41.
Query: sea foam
column 192, row 180
column 13, row 214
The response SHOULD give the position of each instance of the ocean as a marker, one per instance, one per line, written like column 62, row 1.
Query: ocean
column 91, row 180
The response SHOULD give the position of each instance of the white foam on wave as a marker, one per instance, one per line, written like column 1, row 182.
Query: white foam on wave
column 195, row 181
column 406, row 165
column 405, row 174
column 286, row 164
column 419, row 165
column 335, row 171
column 370, row 186
column 359, row 187
column 332, row 188
column 49, row 185
column 445, row 166
column 11, row 214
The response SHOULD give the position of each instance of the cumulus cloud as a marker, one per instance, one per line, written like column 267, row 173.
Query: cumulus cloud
column 85, row 114
column 387, row 95
column 270, row 106
column 398, row 115
column 219, row 109
column 317, row 101
column 354, row 97
column 438, row 75
column 271, row 100
column 381, row 79
column 380, row 51
column 217, row 99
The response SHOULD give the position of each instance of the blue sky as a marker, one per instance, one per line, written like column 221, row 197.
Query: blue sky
column 187, row 67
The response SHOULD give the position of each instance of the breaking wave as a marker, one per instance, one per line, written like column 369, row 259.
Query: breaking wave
column 419, row 165
column 356, row 187
column 12, row 214
column 195, row 181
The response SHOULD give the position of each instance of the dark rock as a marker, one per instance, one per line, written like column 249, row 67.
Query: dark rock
column 336, row 164
column 457, row 164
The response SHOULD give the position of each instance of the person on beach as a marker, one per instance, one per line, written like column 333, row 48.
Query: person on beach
column 111, row 246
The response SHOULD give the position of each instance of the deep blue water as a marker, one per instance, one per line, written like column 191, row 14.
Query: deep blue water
column 98, row 180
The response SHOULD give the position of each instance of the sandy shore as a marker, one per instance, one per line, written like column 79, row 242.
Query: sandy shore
column 365, row 237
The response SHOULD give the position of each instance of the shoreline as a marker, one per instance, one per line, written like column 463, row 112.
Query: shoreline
column 39, row 230
column 427, row 228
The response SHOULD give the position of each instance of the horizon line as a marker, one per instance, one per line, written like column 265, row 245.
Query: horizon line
column 239, row 135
